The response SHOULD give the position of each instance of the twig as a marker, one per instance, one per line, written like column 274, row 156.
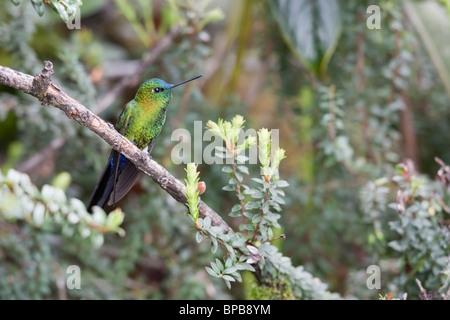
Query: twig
column 423, row 295
column 281, row 236
column 359, row 86
column 51, row 94
column 266, row 196
column 37, row 159
column 238, row 188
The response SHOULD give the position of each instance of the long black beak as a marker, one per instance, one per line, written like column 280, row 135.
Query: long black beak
column 180, row 83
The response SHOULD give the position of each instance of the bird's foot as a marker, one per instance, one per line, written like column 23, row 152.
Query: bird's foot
column 143, row 156
column 147, row 152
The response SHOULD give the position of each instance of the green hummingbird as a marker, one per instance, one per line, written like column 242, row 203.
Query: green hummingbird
column 141, row 121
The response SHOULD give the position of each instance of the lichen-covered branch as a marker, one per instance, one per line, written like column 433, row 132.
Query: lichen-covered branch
column 43, row 89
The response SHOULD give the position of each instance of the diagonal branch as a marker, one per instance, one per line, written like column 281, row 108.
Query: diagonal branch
column 41, row 87
column 103, row 102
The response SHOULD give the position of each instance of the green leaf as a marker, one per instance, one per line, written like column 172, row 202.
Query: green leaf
column 258, row 194
column 115, row 218
column 228, row 278
column 276, row 206
column 227, row 169
column 38, row 5
column 433, row 25
column 237, row 276
column 252, row 205
column 278, row 199
column 230, row 270
column 211, row 272
column 243, row 169
column 248, row 190
column 214, row 245
column 97, row 240
column 236, row 208
column 215, row 231
column 241, row 159
column 228, row 263
column 231, row 252
column 234, row 214
column 269, row 233
column 207, row 223
column 272, row 217
column 212, row 15
column 256, row 218
column 198, row 237
column 62, row 180
column 261, row 181
column 15, row 2
column 221, row 155
column 219, row 264
column 311, row 29
column 397, row 245
column 229, row 187
column 61, row 10
column 239, row 242
column 239, row 176
column 247, row 226
column 281, row 183
column 39, row 214
column 215, row 268
column 244, row 266
column 131, row 14
column 249, row 215
column 228, row 283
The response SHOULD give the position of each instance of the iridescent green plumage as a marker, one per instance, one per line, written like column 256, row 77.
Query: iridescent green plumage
column 143, row 117
column 140, row 121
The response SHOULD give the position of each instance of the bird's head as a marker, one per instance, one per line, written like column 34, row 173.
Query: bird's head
column 157, row 92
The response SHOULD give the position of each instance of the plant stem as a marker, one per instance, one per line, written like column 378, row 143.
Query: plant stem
column 238, row 189
column 266, row 195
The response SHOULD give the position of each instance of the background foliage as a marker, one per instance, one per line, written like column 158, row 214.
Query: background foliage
column 362, row 115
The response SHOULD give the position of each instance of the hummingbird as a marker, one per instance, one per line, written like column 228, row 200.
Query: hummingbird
column 141, row 121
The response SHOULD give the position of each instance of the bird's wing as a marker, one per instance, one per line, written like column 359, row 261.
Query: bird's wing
column 125, row 181
column 126, row 178
column 124, row 118
column 109, row 190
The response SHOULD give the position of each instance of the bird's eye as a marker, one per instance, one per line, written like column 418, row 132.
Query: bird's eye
column 157, row 90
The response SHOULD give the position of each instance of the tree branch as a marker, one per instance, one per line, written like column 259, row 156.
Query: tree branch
column 41, row 87
column 103, row 102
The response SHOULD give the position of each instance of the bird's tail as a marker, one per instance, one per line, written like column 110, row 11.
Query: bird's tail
column 117, row 179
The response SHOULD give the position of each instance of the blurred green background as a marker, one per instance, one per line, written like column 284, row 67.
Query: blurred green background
column 353, row 92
